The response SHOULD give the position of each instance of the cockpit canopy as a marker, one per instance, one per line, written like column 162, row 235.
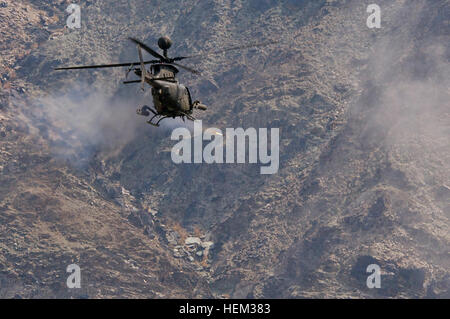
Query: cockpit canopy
column 164, row 70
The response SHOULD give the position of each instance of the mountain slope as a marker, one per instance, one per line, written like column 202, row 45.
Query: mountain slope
column 363, row 178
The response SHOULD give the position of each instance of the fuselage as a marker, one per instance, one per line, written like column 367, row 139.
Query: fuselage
column 169, row 96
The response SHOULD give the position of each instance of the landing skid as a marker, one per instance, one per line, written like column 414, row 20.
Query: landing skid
column 183, row 116
column 145, row 111
column 157, row 123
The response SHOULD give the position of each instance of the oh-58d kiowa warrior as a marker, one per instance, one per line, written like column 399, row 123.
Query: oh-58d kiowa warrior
column 170, row 98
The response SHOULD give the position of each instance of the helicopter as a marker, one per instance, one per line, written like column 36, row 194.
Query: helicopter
column 170, row 98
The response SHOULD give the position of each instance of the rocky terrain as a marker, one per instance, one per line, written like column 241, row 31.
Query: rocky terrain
column 364, row 172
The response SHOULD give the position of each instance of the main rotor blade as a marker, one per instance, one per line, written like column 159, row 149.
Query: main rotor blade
column 148, row 49
column 248, row 46
column 186, row 68
column 143, row 70
column 132, row 81
column 104, row 65
column 151, row 80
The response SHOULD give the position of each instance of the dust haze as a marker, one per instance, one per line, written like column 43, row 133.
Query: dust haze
column 405, row 89
column 83, row 121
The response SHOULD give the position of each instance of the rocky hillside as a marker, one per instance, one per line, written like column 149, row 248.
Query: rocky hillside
column 364, row 172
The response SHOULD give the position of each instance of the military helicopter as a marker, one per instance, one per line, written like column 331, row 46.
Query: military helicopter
column 170, row 98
